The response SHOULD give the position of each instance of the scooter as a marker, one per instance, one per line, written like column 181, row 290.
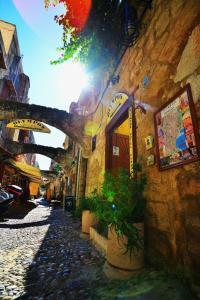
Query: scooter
column 7, row 196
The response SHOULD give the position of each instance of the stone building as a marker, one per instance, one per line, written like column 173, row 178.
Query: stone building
column 14, row 85
column 163, row 61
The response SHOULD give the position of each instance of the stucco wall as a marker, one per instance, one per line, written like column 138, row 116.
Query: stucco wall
column 168, row 52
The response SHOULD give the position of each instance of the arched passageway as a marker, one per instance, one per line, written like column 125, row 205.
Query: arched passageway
column 61, row 156
column 71, row 124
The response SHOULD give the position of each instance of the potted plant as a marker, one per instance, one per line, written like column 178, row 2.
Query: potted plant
column 122, row 209
column 87, row 206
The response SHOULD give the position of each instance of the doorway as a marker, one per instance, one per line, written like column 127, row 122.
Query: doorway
column 118, row 143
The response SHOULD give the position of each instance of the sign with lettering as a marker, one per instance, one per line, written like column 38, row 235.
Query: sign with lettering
column 118, row 100
column 130, row 117
column 28, row 124
column 115, row 151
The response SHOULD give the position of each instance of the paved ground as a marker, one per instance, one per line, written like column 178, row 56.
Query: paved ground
column 42, row 256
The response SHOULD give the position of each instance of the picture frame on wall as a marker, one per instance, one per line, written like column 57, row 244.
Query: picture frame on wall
column 176, row 131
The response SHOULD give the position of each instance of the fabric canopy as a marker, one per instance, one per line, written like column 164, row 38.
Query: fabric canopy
column 27, row 170
column 33, row 188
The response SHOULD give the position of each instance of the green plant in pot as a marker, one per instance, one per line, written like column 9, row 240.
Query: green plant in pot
column 122, row 209
column 88, row 207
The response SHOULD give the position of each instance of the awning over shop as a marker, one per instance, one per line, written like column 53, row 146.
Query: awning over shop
column 27, row 170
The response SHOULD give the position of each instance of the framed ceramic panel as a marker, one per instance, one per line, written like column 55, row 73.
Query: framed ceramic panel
column 177, row 137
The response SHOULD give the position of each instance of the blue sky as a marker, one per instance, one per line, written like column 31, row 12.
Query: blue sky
column 39, row 36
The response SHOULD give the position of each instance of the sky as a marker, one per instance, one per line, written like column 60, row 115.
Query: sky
column 50, row 85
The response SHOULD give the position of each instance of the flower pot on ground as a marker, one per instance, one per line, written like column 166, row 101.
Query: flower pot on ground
column 99, row 240
column 122, row 208
column 117, row 253
column 87, row 206
column 88, row 219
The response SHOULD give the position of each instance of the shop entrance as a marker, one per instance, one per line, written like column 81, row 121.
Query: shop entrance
column 117, row 144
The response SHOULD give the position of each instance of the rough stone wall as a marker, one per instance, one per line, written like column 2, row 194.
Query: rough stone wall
column 81, row 187
column 168, row 52
column 96, row 165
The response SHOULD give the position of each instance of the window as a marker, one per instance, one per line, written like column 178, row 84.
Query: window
column 94, row 139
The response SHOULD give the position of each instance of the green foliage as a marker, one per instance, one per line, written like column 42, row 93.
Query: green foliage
column 77, row 213
column 57, row 168
column 126, row 193
column 76, row 48
column 89, row 202
column 101, row 41
column 123, row 203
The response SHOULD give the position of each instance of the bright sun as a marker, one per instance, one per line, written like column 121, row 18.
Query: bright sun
column 70, row 79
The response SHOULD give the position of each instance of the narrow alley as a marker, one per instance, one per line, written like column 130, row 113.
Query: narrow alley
column 44, row 256
column 99, row 150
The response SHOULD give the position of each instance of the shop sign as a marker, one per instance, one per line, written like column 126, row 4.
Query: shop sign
column 118, row 100
column 28, row 124
column 115, row 151
column 130, row 117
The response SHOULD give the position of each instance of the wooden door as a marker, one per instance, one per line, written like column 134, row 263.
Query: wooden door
column 119, row 154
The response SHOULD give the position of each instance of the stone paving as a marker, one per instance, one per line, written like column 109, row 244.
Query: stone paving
column 42, row 256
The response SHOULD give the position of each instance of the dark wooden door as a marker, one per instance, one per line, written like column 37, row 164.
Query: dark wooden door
column 119, row 153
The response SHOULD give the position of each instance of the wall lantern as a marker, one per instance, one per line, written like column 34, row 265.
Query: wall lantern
column 114, row 79
column 133, row 18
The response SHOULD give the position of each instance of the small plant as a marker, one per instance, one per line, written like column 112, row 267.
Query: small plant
column 89, row 202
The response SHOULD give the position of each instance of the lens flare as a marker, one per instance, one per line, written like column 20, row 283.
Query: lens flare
column 40, row 20
column 78, row 12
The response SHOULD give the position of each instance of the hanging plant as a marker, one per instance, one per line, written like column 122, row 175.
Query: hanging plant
column 76, row 15
column 92, row 32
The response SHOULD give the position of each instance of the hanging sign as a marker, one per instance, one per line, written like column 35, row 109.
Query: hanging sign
column 28, row 124
column 118, row 100
column 130, row 117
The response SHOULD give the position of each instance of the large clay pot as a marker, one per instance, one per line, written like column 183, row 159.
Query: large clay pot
column 88, row 219
column 116, row 255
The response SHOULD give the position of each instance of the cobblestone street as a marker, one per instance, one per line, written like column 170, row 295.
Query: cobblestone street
column 42, row 256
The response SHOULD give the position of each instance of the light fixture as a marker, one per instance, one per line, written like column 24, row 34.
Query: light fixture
column 114, row 79
column 133, row 20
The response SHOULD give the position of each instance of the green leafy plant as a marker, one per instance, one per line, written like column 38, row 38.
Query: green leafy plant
column 100, row 42
column 89, row 202
column 123, row 204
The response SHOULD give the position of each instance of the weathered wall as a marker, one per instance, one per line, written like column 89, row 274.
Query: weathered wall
column 168, row 52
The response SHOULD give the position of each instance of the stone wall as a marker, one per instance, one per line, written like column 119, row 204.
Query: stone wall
column 168, row 52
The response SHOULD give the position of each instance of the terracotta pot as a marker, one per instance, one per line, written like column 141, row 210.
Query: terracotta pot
column 99, row 241
column 88, row 219
column 116, row 250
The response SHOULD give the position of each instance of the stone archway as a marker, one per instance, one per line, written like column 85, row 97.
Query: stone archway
column 61, row 156
column 71, row 124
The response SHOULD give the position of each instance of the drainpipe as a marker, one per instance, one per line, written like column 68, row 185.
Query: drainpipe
column 78, row 175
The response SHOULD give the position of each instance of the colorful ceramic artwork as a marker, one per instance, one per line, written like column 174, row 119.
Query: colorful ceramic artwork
column 175, row 130
column 149, row 142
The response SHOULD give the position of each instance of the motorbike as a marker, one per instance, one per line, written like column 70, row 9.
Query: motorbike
column 7, row 195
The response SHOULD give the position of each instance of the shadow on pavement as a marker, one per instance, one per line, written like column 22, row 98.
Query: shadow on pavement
column 67, row 267
column 19, row 209
column 24, row 225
